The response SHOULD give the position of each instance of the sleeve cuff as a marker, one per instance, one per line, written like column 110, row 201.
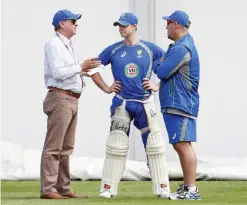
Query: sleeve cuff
column 76, row 69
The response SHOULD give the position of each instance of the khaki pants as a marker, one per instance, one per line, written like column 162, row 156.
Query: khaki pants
column 61, row 110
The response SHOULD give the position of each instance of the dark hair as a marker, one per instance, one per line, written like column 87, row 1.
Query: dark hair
column 57, row 27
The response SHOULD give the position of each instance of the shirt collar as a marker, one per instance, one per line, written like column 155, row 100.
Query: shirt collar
column 64, row 39
column 185, row 36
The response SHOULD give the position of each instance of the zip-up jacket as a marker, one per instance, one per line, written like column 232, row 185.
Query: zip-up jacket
column 179, row 73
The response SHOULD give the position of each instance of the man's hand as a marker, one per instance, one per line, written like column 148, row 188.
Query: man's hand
column 90, row 63
column 115, row 87
column 147, row 85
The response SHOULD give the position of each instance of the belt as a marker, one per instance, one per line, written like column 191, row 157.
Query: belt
column 68, row 92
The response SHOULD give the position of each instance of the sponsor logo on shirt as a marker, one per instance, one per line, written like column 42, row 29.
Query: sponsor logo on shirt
column 123, row 54
column 131, row 70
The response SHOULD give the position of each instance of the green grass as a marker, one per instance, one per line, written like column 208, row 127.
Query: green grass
column 130, row 193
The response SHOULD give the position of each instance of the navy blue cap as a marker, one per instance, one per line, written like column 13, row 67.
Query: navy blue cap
column 64, row 15
column 180, row 17
column 126, row 19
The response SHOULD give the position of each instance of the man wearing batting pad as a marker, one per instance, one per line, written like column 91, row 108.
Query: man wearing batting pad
column 179, row 71
column 132, row 61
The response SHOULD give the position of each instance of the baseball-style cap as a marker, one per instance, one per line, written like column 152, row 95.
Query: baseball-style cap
column 126, row 19
column 180, row 17
column 64, row 15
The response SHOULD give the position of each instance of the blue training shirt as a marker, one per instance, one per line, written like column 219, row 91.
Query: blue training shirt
column 130, row 64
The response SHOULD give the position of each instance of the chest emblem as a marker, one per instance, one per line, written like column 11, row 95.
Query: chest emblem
column 131, row 70
column 139, row 54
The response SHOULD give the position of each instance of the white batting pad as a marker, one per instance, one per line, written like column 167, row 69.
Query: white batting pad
column 115, row 161
column 157, row 162
column 152, row 116
column 121, row 114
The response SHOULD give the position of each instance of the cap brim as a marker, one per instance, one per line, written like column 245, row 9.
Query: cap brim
column 75, row 17
column 166, row 17
column 122, row 23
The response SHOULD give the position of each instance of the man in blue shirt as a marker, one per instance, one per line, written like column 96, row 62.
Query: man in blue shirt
column 178, row 72
column 132, row 62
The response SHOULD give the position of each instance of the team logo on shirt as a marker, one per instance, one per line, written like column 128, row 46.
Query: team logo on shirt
column 131, row 70
column 139, row 54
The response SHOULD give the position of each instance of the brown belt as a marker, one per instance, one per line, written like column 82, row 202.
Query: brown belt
column 68, row 92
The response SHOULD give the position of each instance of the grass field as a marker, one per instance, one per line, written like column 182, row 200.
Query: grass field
column 130, row 193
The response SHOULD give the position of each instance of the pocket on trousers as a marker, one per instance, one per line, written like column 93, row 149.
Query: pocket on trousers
column 49, row 103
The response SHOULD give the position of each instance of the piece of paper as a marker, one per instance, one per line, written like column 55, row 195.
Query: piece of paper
column 95, row 70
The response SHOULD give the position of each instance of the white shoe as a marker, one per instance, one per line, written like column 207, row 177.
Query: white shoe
column 164, row 194
column 106, row 194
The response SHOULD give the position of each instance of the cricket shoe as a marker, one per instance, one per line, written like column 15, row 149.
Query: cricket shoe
column 106, row 194
column 164, row 194
column 183, row 193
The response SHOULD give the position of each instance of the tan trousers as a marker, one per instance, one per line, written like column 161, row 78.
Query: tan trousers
column 61, row 110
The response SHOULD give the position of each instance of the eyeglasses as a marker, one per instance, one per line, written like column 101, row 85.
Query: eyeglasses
column 73, row 21
column 170, row 22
